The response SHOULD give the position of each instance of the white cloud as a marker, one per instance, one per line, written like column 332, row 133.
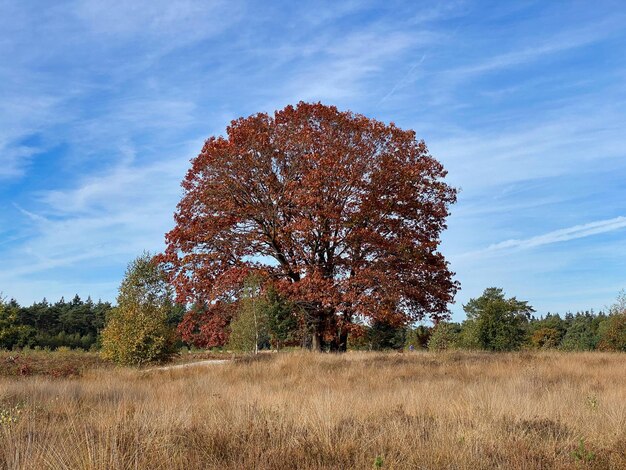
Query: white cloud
column 122, row 87
column 104, row 220
column 556, row 236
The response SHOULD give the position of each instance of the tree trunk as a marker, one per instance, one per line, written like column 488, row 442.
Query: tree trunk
column 315, row 326
column 316, row 339
column 256, row 331
column 343, row 341
column 339, row 343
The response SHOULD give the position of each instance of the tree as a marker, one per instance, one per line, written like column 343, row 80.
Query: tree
column 444, row 336
column 418, row 337
column 547, row 332
column 61, row 323
column 545, row 338
column 499, row 323
column 468, row 335
column 384, row 335
column 206, row 325
column 137, row 331
column 612, row 333
column 280, row 314
column 249, row 327
column 12, row 333
column 582, row 332
column 341, row 214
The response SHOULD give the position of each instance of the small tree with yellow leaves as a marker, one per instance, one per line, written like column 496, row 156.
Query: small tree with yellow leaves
column 137, row 330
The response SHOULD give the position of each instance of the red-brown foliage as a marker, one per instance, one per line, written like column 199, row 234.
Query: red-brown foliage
column 205, row 325
column 341, row 213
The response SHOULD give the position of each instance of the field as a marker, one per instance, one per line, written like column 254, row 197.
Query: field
column 297, row 410
column 70, row 363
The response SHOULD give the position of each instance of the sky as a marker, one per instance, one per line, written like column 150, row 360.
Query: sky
column 104, row 103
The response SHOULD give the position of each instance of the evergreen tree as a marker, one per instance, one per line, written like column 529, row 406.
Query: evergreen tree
column 445, row 336
column 500, row 323
column 581, row 334
column 280, row 314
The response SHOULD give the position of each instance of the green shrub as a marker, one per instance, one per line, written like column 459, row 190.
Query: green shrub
column 444, row 336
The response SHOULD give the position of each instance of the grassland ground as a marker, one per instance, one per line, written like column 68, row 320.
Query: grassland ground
column 460, row 410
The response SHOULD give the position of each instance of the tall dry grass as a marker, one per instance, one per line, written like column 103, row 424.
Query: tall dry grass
column 358, row 410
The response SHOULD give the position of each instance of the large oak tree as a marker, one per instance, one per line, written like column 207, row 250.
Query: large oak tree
column 340, row 213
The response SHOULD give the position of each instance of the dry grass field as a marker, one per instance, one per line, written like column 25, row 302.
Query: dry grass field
column 296, row 410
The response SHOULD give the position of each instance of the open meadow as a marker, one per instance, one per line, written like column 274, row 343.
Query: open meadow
column 363, row 410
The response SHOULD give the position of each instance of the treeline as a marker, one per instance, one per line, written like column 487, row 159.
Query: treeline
column 266, row 321
column 581, row 331
column 495, row 323
column 75, row 324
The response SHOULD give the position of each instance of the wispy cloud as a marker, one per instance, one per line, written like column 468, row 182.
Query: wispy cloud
column 544, row 46
column 404, row 80
column 556, row 236
column 523, row 103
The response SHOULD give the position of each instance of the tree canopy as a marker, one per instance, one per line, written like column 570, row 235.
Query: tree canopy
column 341, row 214
column 497, row 323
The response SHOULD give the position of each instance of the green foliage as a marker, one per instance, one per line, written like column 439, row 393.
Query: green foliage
column 582, row 332
column 500, row 323
column 418, row 337
column 547, row 332
column 12, row 333
column 263, row 319
column 137, row 331
column 74, row 324
column 612, row 334
column 281, row 320
column 382, row 335
column 612, row 330
column 582, row 454
column 468, row 335
column 249, row 327
column 444, row 336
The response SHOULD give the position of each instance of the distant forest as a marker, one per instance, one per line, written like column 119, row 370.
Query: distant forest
column 77, row 324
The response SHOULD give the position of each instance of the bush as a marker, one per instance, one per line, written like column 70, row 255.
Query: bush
column 444, row 336
column 137, row 331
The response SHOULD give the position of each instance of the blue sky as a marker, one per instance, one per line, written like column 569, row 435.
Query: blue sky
column 104, row 103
